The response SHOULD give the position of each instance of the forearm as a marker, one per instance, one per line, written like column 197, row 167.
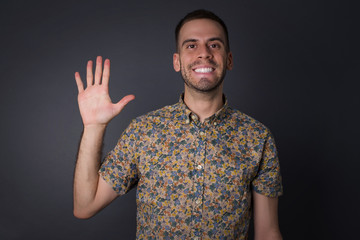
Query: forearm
column 86, row 171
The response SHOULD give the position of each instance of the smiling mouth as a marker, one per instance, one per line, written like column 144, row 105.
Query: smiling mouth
column 204, row 70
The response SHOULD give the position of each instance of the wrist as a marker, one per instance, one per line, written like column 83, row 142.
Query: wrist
column 94, row 130
column 95, row 127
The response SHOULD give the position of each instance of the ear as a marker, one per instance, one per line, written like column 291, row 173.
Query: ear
column 176, row 62
column 229, row 62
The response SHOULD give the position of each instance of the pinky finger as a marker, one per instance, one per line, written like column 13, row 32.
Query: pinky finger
column 79, row 83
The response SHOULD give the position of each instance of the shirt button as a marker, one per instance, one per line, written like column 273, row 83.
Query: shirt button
column 215, row 123
column 198, row 202
column 202, row 133
column 187, row 121
column 198, row 167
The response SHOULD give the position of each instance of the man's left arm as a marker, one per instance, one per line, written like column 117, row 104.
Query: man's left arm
column 266, row 225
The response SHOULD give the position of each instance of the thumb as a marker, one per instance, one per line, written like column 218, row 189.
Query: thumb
column 122, row 103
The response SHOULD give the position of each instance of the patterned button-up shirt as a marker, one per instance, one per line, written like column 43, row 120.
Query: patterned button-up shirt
column 194, row 180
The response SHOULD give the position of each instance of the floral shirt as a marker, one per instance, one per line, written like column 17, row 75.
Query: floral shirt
column 194, row 180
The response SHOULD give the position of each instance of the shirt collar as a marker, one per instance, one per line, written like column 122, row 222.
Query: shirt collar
column 185, row 114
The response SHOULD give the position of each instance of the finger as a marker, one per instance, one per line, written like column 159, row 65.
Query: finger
column 98, row 70
column 79, row 83
column 106, row 74
column 89, row 73
column 122, row 103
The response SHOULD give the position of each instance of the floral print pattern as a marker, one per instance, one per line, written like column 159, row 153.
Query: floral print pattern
column 194, row 180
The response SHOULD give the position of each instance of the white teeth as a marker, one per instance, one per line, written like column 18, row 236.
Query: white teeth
column 203, row 70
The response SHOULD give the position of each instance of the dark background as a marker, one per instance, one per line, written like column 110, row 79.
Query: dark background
column 296, row 69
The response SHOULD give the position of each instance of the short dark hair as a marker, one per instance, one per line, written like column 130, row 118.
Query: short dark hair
column 201, row 14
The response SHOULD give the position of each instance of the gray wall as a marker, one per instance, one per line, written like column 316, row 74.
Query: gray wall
column 296, row 70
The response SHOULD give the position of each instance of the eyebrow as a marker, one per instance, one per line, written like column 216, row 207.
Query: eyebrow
column 209, row 40
column 189, row 40
column 217, row 39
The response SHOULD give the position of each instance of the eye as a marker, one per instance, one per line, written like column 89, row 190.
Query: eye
column 190, row 46
column 214, row 45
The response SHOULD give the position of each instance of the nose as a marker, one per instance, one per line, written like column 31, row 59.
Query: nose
column 204, row 52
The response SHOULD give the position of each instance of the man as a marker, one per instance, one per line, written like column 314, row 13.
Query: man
column 199, row 165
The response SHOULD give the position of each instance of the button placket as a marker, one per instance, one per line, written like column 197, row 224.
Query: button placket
column 199, row 180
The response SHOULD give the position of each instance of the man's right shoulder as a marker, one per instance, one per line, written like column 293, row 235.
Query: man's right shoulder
column 155, row 117
column 161, row 114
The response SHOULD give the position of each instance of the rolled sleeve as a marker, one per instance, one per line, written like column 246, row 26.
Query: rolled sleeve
column 268, row 180
column 119, row 168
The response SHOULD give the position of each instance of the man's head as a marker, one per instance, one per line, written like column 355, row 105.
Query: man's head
column 201, row 14
column 203, row 54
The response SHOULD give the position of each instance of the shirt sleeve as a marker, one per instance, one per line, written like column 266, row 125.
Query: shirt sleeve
column 268, row 180
column 119, row 168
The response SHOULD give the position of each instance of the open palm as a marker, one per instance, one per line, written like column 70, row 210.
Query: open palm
column 96, row 107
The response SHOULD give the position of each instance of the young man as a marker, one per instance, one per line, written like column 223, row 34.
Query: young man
column 199, row 165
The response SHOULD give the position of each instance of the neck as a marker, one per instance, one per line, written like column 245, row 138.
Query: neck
column 204, row 105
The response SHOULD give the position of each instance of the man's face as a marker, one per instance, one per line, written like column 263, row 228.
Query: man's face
column 202, row 57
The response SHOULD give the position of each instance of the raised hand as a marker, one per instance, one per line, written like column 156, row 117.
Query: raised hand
column 96, row 107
